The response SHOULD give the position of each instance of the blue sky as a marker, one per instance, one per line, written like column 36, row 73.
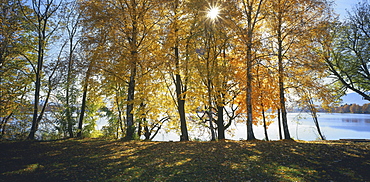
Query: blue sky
column 341, row 6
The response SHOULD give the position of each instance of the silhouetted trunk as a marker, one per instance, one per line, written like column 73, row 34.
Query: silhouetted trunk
column 281, row 80
column 82, row 114
column 180, row 100
column 279, row 124
column 83, row 107
column 210, row 119
column 68, row 89
column 220, row 123
column 38, row 119
column 4, row 122
column 315, row 119
column 139, row 127
column 130, row 130
column 264, row 123
column 146, row 133
column 183, row 127
column 141, row 120
column 84, row 99
column 36, row 100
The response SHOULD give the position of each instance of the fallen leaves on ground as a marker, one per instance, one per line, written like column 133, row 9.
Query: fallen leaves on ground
column 106, row 160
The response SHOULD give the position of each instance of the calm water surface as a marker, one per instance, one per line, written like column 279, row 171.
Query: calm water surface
column 334, row 126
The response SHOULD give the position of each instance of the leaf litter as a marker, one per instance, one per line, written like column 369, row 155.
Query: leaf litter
column 107, row 160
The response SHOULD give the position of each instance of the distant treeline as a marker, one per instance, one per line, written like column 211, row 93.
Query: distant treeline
column 352, row 108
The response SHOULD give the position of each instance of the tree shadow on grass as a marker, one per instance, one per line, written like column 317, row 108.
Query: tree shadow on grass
column 100, row 160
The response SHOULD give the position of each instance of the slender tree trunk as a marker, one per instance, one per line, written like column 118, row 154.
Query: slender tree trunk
column 83, row 107
column 315, row 119
column 84, row 100
column 133, row 41
column 139, row 127
column 210, row 118
column 120, row 119
column 4, row 123
column 220, row 123
column 264, row 123
column 180, row 99
column 279, row 124
column 281, row 80
column 250, row 133
column 183, row 127
column 38, row 75
column 282, row 102
column 68, row 90
column 141, row 120
column 250, row 28
column 69, row 114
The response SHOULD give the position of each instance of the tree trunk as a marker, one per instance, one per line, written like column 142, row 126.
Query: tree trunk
column 315, row 119
column 264, row 123
column 220, row 123
column 279, row 124
column 250, row 133
column 120, row 120
column 184, row 130
column 142, row 119
column 3, row 124
column 281, row 80
column 83, row 107
column 38, row 75
column 210, row 119
column 146, row 133
column 35, row 124
column 250, row 28
column 180, row 99
column 139, row 127
column 130, row 130
column 282, row 102
column 84, row 99
column 69, row 82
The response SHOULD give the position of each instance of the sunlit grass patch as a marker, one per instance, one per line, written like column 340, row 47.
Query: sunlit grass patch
column 290, row 173
column 178, row 163
column 27, row 169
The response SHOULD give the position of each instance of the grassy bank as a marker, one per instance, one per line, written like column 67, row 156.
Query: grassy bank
column 102, row 160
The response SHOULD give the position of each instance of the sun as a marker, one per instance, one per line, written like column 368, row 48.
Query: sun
column 213, row 12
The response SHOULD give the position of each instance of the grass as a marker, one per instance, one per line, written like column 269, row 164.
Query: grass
column 106, row 160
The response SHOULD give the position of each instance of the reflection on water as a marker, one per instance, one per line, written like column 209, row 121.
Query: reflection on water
column 337, row 126
column 355, row 120
column 333, row 125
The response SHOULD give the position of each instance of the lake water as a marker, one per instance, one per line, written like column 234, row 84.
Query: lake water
column 334, row 126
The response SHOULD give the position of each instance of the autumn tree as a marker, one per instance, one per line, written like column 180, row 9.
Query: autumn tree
column 247, row 27
column 183, row 16
column 15, row 41
column 129, row 32
column 291, row 23
column 151, row 115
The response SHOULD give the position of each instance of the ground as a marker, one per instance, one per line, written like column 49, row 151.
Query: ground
column 107, row 160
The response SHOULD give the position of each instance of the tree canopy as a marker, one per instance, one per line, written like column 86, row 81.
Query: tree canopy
column 143, row 66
